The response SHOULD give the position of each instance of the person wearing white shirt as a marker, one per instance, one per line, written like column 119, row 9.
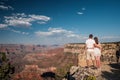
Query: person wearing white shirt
column 90, row 43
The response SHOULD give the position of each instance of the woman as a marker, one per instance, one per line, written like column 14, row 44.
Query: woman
column 97, row 53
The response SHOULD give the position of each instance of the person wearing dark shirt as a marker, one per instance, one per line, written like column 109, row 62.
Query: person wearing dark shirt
column 117, row 55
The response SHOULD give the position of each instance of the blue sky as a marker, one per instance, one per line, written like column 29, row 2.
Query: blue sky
column 58, row 21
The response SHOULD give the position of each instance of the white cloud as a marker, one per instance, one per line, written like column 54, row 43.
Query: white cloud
column 40, row 33
column 58, row 36
column 1, row 2
column 3, row 25
column 80, row 13
column 25, row 33
column 10, row 7
column 73, row 35
column 18, row 20
column 19, row 32
column 3, row 7
column 57, row 32
column 40, row 17
column 41, row 22
column 15, row 31
column 23, row 20
column 83, row 8
column 19, row 23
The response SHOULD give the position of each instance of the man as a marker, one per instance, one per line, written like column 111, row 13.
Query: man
column 90, row 43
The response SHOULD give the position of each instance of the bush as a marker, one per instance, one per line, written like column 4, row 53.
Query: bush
column 6, row 69
column 61, row 72
column 90, row 78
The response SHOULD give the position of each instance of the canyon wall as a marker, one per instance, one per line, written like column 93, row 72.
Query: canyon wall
column 108, row 51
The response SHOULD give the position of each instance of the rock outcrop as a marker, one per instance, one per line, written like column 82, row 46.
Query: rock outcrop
column 108, row 51
column 82, row 73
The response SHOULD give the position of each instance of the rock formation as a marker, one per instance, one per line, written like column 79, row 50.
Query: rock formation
column 108, row 51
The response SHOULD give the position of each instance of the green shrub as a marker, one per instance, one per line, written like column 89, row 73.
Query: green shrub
column 61, row 72
column 3, row 56
column 6, row 69
column 90, row 78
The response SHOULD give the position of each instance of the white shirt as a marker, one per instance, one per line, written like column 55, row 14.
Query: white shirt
column 90, row 44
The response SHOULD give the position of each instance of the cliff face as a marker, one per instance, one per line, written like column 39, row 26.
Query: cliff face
column 74, row 48
column 108, row 51
column 80, row 48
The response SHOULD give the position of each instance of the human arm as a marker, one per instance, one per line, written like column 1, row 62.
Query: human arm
column 98, row 46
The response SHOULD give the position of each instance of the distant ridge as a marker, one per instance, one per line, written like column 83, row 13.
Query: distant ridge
column 101, row 42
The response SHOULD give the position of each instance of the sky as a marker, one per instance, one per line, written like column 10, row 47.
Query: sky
column 49, row 22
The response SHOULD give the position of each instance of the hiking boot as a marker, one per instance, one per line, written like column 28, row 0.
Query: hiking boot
column 93, row 67
column 86, row 67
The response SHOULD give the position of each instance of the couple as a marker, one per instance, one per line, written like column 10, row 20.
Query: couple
column 93, row 51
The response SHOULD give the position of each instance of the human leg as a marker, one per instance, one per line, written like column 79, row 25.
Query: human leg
column 87, row 58
column 93, row 58
column 98, row 62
